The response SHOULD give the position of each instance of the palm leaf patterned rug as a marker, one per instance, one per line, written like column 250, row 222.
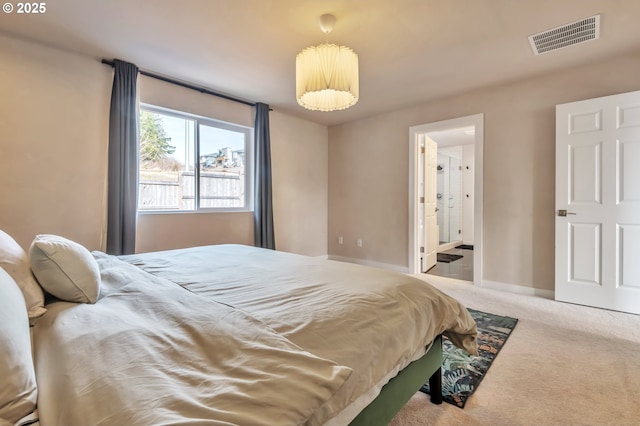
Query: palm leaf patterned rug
column 461, row 372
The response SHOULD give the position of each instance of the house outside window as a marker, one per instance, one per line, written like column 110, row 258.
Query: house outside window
column 190, row 163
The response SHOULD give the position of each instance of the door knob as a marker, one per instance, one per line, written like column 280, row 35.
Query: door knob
column 563, row 213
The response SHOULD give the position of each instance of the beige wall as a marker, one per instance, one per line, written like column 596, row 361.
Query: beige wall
column 54, row 113
column 299, row 156
column 54, row 118
column 53, row 148
column 368, row 171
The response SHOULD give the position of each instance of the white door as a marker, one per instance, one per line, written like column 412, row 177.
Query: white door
column 431, row 234
column 598, row 202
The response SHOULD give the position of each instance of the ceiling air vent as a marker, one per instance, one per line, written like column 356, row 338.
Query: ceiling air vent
column 567, row 35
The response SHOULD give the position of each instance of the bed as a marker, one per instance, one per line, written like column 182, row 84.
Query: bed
column 231, row 334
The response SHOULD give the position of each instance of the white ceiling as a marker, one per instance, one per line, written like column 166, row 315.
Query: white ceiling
column 410, row 51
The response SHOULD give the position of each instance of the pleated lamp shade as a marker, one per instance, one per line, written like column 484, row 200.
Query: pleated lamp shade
column 327, row 77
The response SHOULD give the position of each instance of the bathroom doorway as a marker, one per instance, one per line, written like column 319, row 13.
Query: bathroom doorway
column 455, row 194
column 459, row 197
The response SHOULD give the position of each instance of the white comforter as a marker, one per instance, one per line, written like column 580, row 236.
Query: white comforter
column 373, row 321
column 150, row 353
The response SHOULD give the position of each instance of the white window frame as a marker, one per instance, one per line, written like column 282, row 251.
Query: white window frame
column 248, row 168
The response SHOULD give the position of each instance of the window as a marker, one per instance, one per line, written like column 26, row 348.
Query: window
column 190, row 163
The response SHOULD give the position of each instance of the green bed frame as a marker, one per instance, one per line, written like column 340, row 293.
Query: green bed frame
column 395, row 394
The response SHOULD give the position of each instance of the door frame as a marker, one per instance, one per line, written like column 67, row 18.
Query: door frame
column 476, row 120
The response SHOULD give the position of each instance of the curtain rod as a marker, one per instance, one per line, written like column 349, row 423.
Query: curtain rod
column 187, row 85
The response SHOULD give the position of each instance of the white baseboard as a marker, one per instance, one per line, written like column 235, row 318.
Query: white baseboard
column 518, row 289
column 396, row 268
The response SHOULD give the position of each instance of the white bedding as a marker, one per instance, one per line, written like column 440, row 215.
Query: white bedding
column 150, row 353
column 373, row 321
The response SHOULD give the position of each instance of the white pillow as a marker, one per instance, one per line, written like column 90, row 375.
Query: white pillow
column 65, row 269
column 18, row 393
column 14, row 260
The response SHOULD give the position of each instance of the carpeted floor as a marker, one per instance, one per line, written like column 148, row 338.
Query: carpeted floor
column 563, row 365
column 462, row 372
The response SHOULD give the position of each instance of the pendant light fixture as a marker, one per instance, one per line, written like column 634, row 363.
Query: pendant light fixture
column 327, row 74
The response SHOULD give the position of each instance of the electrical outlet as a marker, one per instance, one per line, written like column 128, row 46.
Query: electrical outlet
column 340, row 240
column 359, row 242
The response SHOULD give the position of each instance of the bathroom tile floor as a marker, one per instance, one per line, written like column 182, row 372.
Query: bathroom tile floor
column 461, row 269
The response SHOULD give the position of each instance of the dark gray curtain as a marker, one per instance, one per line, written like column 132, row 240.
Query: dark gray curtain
column 262, row 205
column 123, row 161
